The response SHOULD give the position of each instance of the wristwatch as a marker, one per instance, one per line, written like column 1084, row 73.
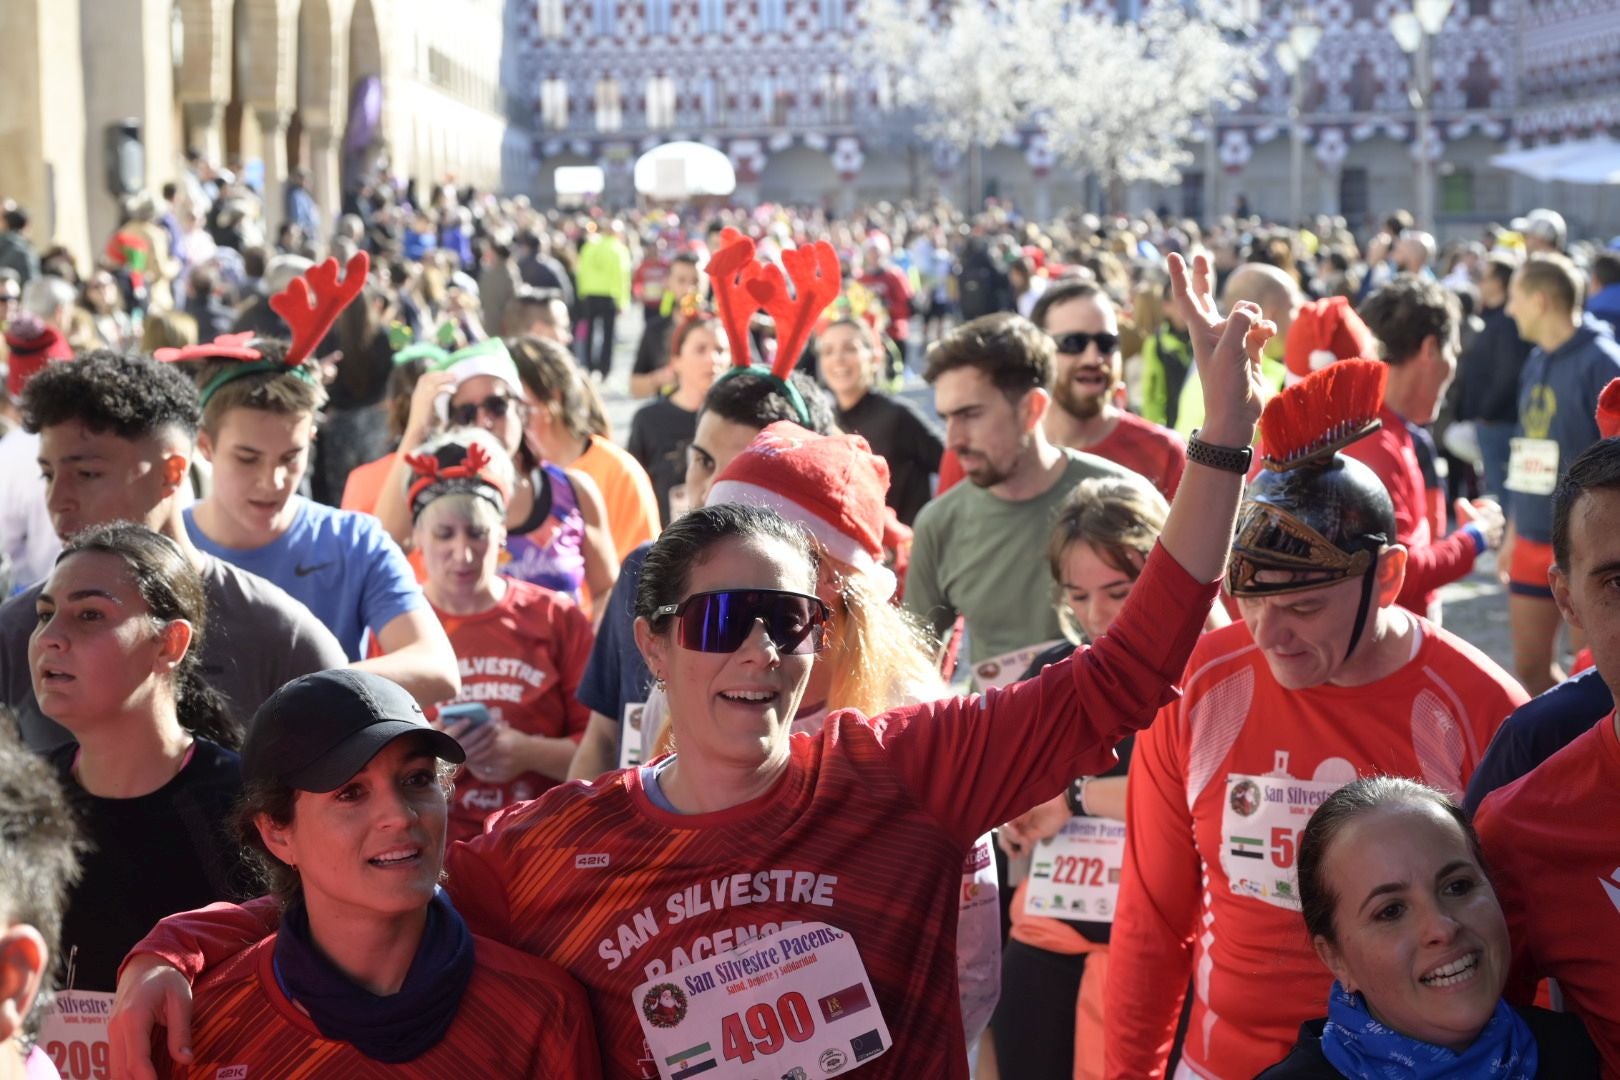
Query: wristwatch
column 1227, row 458
column 1075, row 795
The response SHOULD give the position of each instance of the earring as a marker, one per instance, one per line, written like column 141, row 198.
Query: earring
column 658, row 680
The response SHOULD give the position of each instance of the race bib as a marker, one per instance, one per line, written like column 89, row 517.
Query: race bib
column 1004, row 670
column 797, row 1003
column 1260, row 827
column 1076, row 873
column 1533, row 466
column 630, row 741
column 73, row 1035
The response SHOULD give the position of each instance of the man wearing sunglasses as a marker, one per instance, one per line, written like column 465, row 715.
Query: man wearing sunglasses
column 1080, row 319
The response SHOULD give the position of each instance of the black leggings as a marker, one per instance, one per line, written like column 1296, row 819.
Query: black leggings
column 1034, row 1021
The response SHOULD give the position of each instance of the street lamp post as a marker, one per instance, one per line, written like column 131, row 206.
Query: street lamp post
column 1414, row 32
column 1293, row 55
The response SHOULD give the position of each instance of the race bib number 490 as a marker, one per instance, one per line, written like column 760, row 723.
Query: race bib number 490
column 797, row 1003
column 74, row 1035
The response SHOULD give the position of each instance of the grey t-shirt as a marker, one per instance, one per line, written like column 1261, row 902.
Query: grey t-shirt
column 257, row 638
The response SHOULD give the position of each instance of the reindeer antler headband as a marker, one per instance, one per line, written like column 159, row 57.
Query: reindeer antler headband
column 444, row 474
column 310, row 304
column 742, row 285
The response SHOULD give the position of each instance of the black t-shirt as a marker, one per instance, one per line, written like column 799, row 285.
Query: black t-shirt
column 659, row 436
column 148, row 857
column 903, row 437
column 653, row 352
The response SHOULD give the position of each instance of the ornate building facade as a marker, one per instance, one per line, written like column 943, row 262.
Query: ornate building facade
column 775, row 84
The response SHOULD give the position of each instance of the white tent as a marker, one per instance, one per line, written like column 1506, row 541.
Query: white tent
column 684, row 170
column 1585, row 161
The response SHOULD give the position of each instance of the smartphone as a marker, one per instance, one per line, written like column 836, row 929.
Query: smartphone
column 475, row 714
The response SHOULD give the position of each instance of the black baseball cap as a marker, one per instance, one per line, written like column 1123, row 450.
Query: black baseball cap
column 319, row 730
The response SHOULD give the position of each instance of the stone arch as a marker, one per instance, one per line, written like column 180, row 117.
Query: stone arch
column 204, row 74
column 365, row 62
column 263, row 55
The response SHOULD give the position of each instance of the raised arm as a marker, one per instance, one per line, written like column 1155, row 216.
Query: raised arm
column 1198, row 532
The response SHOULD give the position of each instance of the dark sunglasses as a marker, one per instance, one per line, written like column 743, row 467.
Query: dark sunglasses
column 720, row 621
column 466, row 414
column 1074, row 344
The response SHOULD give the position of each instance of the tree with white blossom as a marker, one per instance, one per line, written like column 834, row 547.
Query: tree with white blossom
column 967, row 71
column 1121, row 99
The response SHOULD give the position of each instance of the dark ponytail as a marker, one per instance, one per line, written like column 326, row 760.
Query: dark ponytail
column 172, row 590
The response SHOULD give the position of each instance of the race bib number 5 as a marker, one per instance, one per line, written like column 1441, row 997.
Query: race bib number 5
column 796, row 1003
column 1260, row 826
column 73, row 1035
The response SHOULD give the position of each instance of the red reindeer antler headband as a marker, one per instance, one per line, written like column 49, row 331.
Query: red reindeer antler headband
column 742, row 285
column 435, row 478
column 310, row 304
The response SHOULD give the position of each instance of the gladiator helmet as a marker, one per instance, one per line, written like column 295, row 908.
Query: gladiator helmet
column 1313, row 517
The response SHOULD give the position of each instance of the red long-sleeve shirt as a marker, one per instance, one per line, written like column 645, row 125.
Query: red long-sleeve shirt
column 1220, row 787
column 866, row 831
column 1549, row 841
column 520, row 1017
column 1431, row 560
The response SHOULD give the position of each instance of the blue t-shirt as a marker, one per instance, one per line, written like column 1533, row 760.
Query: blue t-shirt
column 340, row 564
column 1537, row 730
column 616, row 674
column 1558, row 395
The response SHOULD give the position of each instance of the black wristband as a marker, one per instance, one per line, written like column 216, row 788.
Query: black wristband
column 1226, row 458
column 1075, row 795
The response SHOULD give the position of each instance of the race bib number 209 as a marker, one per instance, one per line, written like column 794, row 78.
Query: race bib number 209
column 73, row 1035
column 797, row 1003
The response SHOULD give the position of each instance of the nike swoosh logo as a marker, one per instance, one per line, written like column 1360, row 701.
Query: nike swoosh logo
column 1612, row 888
column 304, row 571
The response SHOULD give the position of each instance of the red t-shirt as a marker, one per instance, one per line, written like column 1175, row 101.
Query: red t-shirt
column 867, row 831
column 1549, row 839
column 894, row 289
column 1430, row 563
column 1146, row 448
column 1220, row 787
column 522, row 659
column 519, row 1017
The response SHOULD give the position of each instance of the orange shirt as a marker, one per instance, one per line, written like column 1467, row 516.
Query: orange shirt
column 632, row 508
column 1549, row 841
column 1221, row 786
column 361, row 490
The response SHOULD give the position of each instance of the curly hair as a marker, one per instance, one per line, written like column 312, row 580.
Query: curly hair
column 128, row 394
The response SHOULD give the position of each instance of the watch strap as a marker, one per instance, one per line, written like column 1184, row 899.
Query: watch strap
column 1226, row 458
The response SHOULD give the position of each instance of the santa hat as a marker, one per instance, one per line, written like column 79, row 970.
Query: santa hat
column 1608, row 410
column 831, row 485
column 1323, row 332
column 33, row 344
